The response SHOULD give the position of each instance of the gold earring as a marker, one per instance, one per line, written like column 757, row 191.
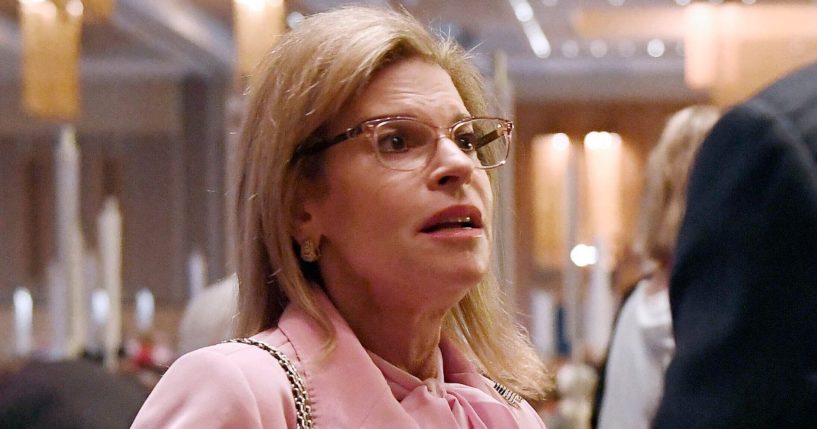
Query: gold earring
column 309, row 251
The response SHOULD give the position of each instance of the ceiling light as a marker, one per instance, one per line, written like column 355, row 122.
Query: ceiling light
column 656, row 48
column 537, row 39
column 598, row 48
column 294, row 18
column 522, row 10
column 682, row 2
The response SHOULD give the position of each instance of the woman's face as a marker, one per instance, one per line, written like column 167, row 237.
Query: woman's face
column 415, row 239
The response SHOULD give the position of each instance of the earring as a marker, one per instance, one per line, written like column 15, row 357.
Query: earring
column 309, row 251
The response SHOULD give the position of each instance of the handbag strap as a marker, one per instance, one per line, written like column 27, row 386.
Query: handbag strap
column 303, row 410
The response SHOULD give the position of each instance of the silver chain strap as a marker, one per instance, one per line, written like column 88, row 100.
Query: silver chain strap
column 511, row 397
column 303, row 410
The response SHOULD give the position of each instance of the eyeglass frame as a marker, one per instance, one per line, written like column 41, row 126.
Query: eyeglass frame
column 316, row 145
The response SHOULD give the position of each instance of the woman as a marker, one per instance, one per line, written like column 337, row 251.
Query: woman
column 642, row 344
column 364, row 211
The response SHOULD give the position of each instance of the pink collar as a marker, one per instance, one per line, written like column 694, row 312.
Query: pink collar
column 348, row 389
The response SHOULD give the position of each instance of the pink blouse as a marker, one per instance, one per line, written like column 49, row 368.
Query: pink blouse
column 236, row 385
column 450, row 401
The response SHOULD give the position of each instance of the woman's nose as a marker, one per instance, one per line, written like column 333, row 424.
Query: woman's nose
column 451, row 167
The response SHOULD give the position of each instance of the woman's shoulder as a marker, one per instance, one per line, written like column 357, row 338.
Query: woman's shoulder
column 224, row 385
column 245, row 357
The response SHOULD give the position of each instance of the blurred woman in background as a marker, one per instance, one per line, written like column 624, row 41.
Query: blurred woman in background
column 642, row 343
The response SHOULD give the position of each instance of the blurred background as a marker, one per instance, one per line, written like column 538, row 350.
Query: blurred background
column 117, row 119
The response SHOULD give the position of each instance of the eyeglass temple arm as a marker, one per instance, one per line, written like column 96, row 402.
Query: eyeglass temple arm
column 316, row 144
column 487, row 138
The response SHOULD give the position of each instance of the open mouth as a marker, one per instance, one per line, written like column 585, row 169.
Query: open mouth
column 464, row 222
column 462, row 217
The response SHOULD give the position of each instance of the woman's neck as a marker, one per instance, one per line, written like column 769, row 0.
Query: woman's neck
column 403, row 338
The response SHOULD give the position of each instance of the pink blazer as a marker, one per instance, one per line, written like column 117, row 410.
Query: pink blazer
column 241, row 386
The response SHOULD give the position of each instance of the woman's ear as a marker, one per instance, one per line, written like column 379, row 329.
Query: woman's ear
column 303, row 222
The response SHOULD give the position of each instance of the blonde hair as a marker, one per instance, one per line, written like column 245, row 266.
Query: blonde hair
column 311, row 73
column 668, row 167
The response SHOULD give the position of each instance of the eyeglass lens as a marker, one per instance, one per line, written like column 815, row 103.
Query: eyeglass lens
column 405, row 144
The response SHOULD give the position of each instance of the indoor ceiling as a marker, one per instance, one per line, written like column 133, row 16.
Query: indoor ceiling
column 148, row 39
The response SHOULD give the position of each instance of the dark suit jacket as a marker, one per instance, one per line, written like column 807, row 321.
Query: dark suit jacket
column 744, row 285
column 68, row 395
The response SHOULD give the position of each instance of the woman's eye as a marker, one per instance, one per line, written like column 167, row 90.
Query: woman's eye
column 392, row 142
column 467, row 141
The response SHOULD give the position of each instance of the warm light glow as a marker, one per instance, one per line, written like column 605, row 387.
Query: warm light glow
column 583, row 255
column 75, row 8
column 733, row 50
column 43, row 8
column 603, row 161
column 700, row 35
column 257, row 23
column 601, row 140
column 550, row 155
column 560, row 141
column 255, row 6
column 730, row 50
column 50, row 72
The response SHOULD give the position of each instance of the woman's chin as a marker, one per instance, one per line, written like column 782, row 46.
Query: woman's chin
column 453, row 285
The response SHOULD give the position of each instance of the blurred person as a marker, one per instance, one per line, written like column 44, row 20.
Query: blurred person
column 365, row 225
column 642, row 343
column 743, row 289
column 208, row 317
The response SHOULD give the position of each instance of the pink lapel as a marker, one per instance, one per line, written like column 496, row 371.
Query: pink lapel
column 346, row 388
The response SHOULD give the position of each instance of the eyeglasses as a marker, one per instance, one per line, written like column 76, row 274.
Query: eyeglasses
column 403, row 143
